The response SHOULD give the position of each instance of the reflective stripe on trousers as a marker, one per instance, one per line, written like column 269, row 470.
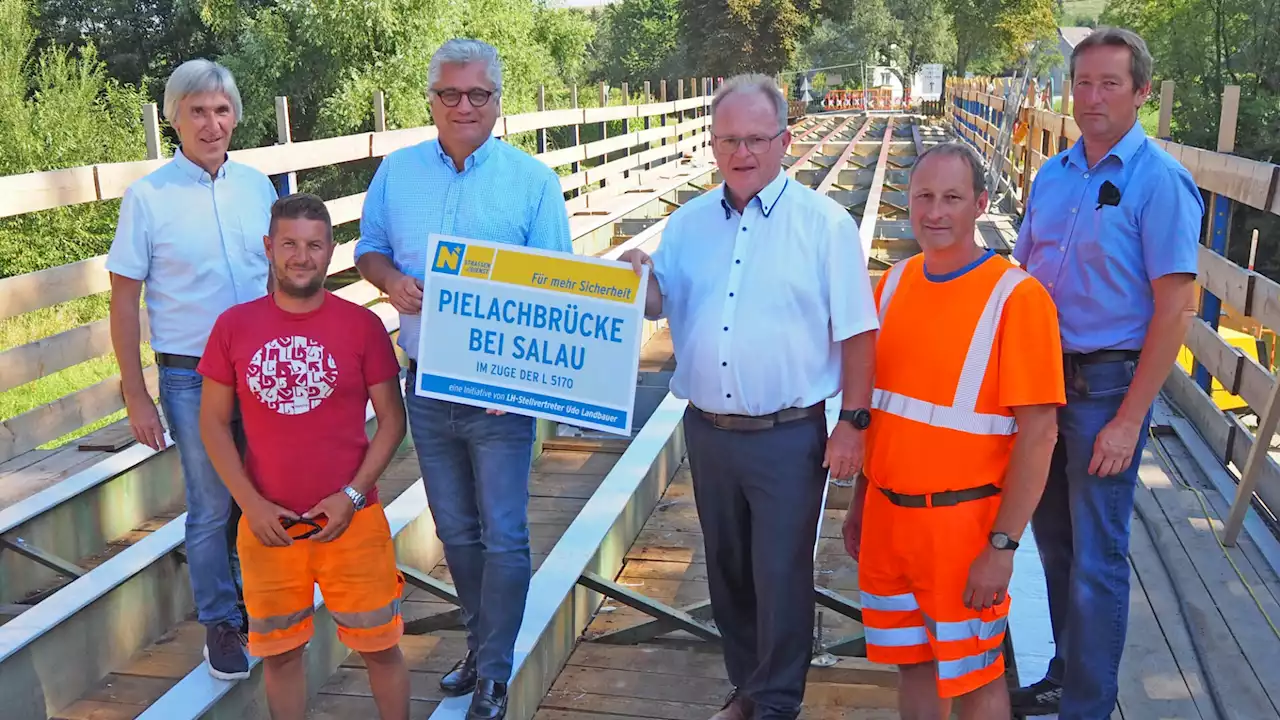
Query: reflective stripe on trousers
column 961, row 415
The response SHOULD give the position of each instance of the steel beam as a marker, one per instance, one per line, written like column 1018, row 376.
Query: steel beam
column 424, row 581
column 657, row 627
column 47, row 559
column 652, row 608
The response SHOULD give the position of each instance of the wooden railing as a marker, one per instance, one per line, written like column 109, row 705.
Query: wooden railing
column 1227, row 289
column 652, row 133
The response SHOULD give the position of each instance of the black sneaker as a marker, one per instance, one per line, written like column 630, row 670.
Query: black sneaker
column 224, row 650
column 1041, row 698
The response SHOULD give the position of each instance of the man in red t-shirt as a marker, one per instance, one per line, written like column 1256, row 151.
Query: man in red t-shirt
column 302, row 365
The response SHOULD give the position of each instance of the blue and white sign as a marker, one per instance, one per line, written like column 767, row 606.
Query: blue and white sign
column 531, row 331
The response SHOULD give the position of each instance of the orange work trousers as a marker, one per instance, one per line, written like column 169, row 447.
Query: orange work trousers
column 357, row 576
column 913, row 571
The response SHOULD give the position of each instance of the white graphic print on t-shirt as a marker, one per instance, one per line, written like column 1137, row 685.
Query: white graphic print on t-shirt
column 292, row 375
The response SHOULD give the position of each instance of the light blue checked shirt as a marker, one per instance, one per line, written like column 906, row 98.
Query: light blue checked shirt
column 504, row 195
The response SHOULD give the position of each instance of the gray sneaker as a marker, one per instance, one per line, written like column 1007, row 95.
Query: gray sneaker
column 224, row 651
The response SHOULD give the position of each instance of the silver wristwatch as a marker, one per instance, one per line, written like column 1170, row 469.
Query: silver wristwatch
column 357, row 498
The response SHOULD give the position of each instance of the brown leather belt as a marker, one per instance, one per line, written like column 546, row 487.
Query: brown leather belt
column 941, row 499
column 751, row 423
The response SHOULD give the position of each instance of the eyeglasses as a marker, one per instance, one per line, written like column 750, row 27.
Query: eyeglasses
column 755, row 144
column 290, row 522
column 478, row 97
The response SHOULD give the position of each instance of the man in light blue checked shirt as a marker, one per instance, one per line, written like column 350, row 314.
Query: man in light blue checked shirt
column 475, row 462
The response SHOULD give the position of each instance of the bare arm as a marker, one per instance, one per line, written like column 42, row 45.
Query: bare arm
column 1028, row 469
column 388, row 407
column 1024, row 482
column 404, row 292
column 1175, row 306
column 846, row 447
column 126, row 341
column 217, row 402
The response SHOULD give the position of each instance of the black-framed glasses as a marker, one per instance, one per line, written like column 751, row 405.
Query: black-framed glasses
column 290, row 522
column 755, row 143
column 478, row 97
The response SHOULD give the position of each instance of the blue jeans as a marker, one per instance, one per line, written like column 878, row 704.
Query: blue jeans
column 209, row 504
column 1082, row 530
column 476, row 470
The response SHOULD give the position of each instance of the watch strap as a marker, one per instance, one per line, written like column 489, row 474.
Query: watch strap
column 357, row 498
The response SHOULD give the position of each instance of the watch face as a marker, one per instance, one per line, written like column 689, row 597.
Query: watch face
column 1000, row 541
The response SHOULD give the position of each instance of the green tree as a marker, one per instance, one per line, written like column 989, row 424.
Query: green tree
column 638, row 40
column 923, row 35
column 999, row 33
column 725, row 37
column 59, row 108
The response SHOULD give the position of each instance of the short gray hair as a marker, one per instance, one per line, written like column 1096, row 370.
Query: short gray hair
column 958, row 149
column 460, row 51
column 757, row 83
column 1139, row 57
column 194, row 77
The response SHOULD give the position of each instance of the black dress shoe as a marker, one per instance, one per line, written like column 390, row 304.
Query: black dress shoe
column 489, row 701
column 462, row 678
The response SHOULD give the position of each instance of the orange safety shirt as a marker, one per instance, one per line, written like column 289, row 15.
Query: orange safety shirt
column 952, row 359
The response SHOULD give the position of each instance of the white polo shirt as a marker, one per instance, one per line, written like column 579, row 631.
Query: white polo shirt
column 196, row 243
column 758, row 302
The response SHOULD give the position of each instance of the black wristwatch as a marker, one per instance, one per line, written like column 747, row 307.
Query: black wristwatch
column 860, row 418
column 1001, row 541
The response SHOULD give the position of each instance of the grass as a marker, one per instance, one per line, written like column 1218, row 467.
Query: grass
column 49, row 321
column 1074, row 9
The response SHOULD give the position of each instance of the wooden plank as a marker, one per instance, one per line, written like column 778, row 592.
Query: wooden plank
column 829, row 179
column 605, row 114
column 115, row 178
column 25, row 363
column 1215, row 573
column 1215, row 428
column 1241, row 179
column 345, row 209
column 871, row 208
column 1221, row 360
column 526, row 122
column 293, row 156
column 385, row 143
column 30, row 192
column 24, row 293
column 70, row 412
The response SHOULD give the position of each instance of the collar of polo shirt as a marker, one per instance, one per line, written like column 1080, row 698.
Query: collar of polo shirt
column 194, row 171
column 1123, row 150
column 475, row 158
column 767, row 198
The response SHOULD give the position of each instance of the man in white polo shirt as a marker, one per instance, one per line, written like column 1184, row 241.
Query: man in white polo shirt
column 765, row 287
column 191, row 231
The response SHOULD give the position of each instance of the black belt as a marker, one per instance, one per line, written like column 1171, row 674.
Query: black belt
column 185, row 362
column 760, row 422
column 1101, row 356
column 942, row 499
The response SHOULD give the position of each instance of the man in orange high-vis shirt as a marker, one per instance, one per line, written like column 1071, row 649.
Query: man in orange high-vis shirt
column 968, row 381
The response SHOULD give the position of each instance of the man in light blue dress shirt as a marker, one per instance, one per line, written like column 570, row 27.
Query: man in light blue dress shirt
column 475, row 463
column 765, row 287
column 191, row 231
column 1112, row 231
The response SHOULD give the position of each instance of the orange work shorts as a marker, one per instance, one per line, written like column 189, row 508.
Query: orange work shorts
column 913, row 571
column 357, row 575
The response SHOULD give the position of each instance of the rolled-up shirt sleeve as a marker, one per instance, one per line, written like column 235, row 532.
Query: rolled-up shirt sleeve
column 550, row 227
column 130, row 253
column 373, row 232
column 851, row 301
column 1170, row 225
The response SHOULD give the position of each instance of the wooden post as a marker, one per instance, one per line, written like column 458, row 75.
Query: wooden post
column 1166, row 110
column 542, row 106
column 1249, row 478
column 1066, row 95
column 1219, row 226
column 379, row 111
column 151, row 127
column 648, row 120
column 626, row 124
column 604, row 124
column 575, row 134
column 662, row 97
column 286, row 184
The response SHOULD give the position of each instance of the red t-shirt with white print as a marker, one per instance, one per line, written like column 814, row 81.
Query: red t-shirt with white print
column 302, row 381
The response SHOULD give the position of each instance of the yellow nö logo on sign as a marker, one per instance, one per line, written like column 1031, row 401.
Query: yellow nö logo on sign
column 448, row 257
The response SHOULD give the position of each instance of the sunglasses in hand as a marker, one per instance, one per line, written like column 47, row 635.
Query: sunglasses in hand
column 290, row 522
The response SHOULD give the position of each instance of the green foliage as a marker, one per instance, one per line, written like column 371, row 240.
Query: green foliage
column 726, row 37
column 57, row 110
column 638, row 40
column 998, row 33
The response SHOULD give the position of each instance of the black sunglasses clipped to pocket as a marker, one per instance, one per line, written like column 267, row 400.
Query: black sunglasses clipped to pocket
column 290, row 522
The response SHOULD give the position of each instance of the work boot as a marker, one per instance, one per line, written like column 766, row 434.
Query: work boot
column 224, row 651
column 1041, row 698
column 462, row 678
column 735, row 708
column 489, row 701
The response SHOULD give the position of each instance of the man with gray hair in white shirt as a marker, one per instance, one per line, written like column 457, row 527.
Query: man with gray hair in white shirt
column 191, row 231
column 764, row 284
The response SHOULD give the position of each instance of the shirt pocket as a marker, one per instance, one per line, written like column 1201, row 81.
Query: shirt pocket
column 1107, row 237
